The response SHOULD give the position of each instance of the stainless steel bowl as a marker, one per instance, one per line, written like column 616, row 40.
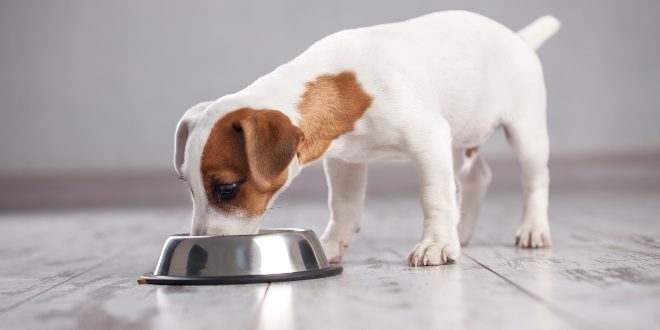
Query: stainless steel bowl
column 272, row 255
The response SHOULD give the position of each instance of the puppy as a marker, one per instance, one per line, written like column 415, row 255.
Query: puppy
column 429, row 90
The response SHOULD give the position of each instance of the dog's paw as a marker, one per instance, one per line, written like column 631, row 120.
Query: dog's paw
column 533, row 236
column 334, row 249
column 432, row 253
column 335, row 240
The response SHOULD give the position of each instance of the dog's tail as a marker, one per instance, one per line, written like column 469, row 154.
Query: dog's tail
column 536, row 33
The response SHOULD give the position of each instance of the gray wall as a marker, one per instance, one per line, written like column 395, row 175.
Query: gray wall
column 99, row 85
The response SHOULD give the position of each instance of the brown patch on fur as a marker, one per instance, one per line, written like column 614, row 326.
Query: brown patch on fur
column 254, row 147
column 329, row 108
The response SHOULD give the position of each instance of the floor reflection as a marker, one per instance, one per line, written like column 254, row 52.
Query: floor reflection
column 194, row 307
column 277, row 309
column 169, row 316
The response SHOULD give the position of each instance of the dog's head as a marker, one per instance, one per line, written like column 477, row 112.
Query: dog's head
column 235, row 160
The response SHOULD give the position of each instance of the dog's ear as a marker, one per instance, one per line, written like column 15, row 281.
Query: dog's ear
column 271, row 142
column 184, row 127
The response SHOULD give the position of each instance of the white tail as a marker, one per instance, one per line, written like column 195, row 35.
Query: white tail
column 536, row 33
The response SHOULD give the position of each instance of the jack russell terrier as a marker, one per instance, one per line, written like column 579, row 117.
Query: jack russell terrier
column 430, row 90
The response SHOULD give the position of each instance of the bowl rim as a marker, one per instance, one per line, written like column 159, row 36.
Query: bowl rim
column 331, row 270
column 262, row 232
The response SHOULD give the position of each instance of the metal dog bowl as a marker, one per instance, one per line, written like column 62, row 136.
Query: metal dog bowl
column 270, row 256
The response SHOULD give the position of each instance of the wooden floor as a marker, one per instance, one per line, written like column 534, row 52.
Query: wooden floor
column 69, row 269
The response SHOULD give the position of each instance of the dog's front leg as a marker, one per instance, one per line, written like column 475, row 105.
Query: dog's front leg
column 346, row 189
column 432, row 155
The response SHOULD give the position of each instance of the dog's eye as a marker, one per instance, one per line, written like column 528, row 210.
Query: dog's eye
column 225, row 191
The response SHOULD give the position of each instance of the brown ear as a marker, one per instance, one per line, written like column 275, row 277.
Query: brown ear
column 271, row 141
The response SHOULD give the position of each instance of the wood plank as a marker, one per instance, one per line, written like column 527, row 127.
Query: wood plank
column 42, row 250
column 381, row 292
column 378, row 290
column 108, row 295
column 604, row 267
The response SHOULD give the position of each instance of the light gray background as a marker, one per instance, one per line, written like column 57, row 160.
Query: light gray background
column 97, row 86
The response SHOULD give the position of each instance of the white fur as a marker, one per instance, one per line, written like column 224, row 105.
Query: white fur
column 440, row 83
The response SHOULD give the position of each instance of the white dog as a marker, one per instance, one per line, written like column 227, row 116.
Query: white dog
column 430, row 89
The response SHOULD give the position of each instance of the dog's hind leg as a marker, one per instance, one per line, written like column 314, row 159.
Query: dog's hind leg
column 475, row 179
column 528, row 136
column 347, row 184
